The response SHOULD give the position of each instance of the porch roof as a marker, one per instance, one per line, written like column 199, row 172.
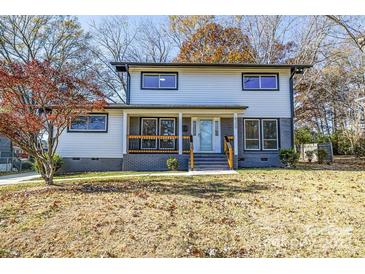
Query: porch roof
column 169, row 106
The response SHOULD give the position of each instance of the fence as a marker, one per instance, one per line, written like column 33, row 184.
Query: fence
column 10, row 164
column 303, row 148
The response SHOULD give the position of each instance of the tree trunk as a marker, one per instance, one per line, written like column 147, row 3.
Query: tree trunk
column 47, row 170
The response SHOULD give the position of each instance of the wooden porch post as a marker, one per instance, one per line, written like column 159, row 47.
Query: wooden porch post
column 235, row 134
column 180, row 134
column 125, row 132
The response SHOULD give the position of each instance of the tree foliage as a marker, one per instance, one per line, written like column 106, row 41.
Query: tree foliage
column 214, row 43
column 37, row 102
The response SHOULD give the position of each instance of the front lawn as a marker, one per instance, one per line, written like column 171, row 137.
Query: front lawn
column 257, row 213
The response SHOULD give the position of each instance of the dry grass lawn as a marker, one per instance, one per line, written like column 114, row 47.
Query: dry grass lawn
column 258, row 213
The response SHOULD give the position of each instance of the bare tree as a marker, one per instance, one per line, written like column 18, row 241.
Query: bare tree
column 57, row 39
column 355, row 31
column 153, row 43
column 113, row 40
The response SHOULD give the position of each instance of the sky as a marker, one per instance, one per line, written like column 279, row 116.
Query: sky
column 86, row 19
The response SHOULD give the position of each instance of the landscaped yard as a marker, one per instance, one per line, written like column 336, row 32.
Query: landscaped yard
column 258, row 213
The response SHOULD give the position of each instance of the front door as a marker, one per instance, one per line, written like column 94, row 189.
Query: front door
column 206, row 134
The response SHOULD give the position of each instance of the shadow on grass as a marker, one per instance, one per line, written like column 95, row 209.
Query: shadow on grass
column 178, row 187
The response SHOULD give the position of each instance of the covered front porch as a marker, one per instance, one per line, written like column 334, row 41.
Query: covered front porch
column 151, row 134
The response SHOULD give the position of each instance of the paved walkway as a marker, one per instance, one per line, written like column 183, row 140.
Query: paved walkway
column 190, row 173
column 17, row 178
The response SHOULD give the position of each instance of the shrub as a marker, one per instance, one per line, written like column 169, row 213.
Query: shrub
column 27, row 165
column 341, row 143
column 321, row 155
column 359, row 149
column 303, row 135
column 309, row 154
column 58, row 162
column 289, row 157
column 172, row 163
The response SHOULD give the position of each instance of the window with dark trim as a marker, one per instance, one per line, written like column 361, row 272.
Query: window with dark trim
column 149, row 128
column 252, row 134
column 161, row 80
column 89, row 123
column 158, row 126
column 261, row 134
column 269, row 134
column 260, row 81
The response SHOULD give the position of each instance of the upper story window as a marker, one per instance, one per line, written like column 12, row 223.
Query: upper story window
column 260, row 81
column 159, row 80
column 89, row 123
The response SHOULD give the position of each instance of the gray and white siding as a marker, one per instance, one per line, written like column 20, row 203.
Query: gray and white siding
column 88, row 151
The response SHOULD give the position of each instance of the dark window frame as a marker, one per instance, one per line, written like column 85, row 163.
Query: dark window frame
column 260, row 74
column 160, row 73
column 158, row 131
column 69, row 130
column 261, row 135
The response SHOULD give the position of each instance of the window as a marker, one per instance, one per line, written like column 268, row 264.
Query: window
column 89, row 123
column 167, row 128
column 149, row 128
column 159, row 81
column 260, row 81
column 270, row 134
column 252, row 134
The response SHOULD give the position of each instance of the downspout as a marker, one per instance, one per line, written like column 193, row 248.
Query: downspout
column 291, row 89
column 128, row 85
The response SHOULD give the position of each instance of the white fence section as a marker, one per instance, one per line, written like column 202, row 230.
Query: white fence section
column 10, row 164
column 303, row 148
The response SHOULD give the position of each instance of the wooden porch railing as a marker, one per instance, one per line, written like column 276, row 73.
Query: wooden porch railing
column 191, row 153
column 228, row 150
column 157, row 144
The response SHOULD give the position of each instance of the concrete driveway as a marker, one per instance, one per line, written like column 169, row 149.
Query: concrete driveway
column 17, row 178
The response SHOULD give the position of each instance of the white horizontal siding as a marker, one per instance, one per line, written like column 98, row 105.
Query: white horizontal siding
column 95, row 145
column 216, row 86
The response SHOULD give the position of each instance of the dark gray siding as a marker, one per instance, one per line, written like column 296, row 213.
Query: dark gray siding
column 264, row 158
column 5, row 147
column 91, row 164
column 226, row 129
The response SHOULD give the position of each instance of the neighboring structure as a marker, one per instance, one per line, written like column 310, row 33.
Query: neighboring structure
column 5, row 154
column 208, row 116
column 5, row 147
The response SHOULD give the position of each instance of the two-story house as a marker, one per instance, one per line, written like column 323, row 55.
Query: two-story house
column 208, row 116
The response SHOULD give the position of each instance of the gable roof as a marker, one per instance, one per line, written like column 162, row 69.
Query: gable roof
column 123, row 66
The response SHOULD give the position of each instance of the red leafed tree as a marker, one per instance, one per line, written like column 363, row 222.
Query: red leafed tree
column 214, row 43
column 37, row 102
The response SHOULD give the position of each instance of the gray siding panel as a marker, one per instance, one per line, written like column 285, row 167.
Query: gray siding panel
column 226, row 129
column 285, row 133
column 5, row 147
column 88, row 164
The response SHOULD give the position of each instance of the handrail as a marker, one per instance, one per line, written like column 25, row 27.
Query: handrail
column 191, row 153
column 156, row 137
column 228, row 150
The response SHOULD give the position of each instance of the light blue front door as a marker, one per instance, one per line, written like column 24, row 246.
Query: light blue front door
column 206, row 135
